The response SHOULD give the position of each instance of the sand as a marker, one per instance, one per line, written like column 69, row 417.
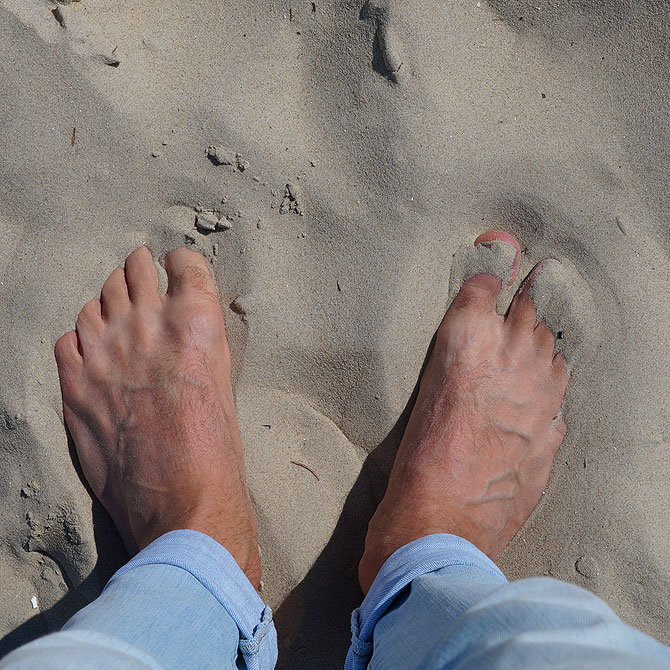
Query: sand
column 361, row 146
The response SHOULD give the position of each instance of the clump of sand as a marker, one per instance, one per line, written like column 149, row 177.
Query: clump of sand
column 368, row 143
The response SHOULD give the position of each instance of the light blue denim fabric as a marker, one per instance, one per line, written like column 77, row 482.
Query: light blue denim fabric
column 182, row 602
column 437, row 603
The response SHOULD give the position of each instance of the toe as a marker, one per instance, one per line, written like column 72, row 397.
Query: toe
column 501, row 236
column 89, row 326
column 522, row 313
column 114, row 294
column 480, row 292
column 560, row 429
column 188, row 274
column 141, row 276
column 544, row 339
column 67, row 352
column 561, row 373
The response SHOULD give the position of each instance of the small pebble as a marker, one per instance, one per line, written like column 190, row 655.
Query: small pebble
column 30, row 489
column 221, row 155
column 155, row 154
column 112, row 61
column 208, row 221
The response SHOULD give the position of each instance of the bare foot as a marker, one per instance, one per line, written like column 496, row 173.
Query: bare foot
column 147, row 398
column 479, row 444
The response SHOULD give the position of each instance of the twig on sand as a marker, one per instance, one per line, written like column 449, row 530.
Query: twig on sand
column 74, row 135
column 302, row 465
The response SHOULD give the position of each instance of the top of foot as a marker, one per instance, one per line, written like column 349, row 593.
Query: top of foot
column 478, row 448
column 145, row 379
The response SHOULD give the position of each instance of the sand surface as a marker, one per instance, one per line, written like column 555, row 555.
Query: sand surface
column 361, row 145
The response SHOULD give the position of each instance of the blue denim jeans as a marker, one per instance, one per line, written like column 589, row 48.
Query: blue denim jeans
column 438, row 602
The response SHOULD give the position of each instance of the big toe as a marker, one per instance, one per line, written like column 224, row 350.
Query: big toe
column 188, row 274
column 478, row 272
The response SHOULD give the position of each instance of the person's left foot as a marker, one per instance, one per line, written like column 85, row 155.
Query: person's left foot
column 478, row 448
column 147, row 398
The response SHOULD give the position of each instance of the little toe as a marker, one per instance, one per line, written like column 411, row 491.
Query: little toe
column 114, row 294
column 66, row 351
column 69, row 362
column 141, row 276
column 479, row 272
column 188, row 274
column 89, row 326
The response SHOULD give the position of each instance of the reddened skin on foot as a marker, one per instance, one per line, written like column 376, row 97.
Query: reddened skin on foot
column 479, row 444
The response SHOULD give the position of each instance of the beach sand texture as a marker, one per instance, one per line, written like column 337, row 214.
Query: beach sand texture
column 358, row 147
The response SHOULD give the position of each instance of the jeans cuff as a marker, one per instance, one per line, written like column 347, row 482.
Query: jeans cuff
column 416, row 558
column 218, row 572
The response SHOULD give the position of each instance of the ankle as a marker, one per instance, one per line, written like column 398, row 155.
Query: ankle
column 241, row 542
column 386, row 534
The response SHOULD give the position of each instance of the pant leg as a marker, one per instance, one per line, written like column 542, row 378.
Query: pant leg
column 180, row 603
column 464, row 615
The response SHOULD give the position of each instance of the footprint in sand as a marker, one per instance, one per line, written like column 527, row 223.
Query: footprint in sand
column 387, row 50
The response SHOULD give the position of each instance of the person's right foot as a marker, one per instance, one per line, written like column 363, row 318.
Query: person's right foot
column 147, row 398
column 478, row 448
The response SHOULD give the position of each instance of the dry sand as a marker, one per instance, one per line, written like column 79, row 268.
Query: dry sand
column 359, row 147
